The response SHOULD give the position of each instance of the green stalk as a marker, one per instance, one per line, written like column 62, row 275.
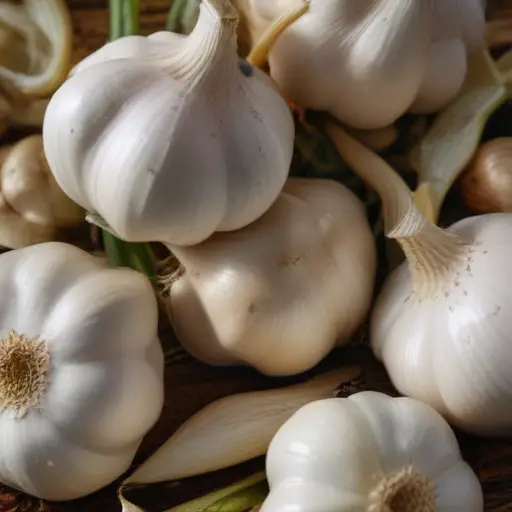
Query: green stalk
column 124, row 18
column 175, row 14
column 124, row 21
column 243, row 496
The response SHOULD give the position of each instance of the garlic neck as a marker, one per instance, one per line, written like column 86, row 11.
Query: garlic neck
column 210, row 49
column 432, row 253
column 403, row 491
column 24, row 367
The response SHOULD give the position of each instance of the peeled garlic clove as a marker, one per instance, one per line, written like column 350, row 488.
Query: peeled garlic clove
column 487, row 183
column 200, row 141
column 45, row 27
column 453, row 138
column 441, row 324
column 369, row 62
column 282, row 292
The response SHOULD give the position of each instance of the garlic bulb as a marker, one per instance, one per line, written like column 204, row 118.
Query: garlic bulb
column 32, row 206
column 171, row 138
column 369, row 453
column 279, row 294
column 441, row 324
column 487, row 183
column 35, row 45
column 81, row 370
column 368, row 62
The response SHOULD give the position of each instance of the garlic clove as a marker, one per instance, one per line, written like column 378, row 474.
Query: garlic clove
column 46, row 28
column 451, row 141
column 242, row 425
column 487, row 182
column 197, row 90
column 30, row 189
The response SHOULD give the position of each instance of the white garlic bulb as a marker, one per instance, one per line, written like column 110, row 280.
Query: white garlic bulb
column 369, row 453
column 280, row 293
column 441, row 324
column 81, row 370
column 171, row 138
column 367, row 62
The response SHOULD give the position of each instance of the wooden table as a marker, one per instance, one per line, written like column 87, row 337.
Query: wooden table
column 191, row 385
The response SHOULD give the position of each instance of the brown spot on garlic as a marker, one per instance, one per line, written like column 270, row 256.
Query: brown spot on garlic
column 487, row 183
column 24, row 368
column 403, row 491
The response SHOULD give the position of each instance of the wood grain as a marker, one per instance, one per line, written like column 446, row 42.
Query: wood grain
column 191, row 385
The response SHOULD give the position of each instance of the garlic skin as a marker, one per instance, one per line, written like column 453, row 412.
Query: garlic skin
column 32, row 205
column 448, row 345
column 368, row 452
column 170, row 138
column 487, row 182
column 281, row 293
column 368, row 62
column 80, row 341
column 36, row 38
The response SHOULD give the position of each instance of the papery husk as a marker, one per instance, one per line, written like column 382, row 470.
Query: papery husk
column 455, row 134
column 45, row 26
column 230, row 431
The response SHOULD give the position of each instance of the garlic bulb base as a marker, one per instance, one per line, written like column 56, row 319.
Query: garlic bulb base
column 24, row 368
column 404, row 491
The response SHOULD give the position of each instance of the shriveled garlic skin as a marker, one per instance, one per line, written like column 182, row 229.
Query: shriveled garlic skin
column 332, row 454
column 367, row 62
column 171, row 138
column 454, row 351
column 280, row 293
column 32, row 205
column 104, row 388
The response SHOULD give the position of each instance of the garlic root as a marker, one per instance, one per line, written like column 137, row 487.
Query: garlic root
column 486, row 185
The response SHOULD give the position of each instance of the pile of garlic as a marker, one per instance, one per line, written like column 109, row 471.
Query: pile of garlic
column 175, row 139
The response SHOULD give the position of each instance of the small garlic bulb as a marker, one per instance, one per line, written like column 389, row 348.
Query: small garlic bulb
column 367, row 62
column 442, row 323
column 32, row 206
column 171, row 138
column 281, row 293
column 487, row 183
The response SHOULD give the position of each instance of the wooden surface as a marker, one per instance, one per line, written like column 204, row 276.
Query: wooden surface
column 191, row 385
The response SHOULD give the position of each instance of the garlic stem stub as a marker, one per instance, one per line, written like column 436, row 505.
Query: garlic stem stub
column 369, row 452
column 441, row 324
column 281, row 293
column 368, row 62
column 81, row 370
column 486, row 184
column 171, row 138
column 241, row 427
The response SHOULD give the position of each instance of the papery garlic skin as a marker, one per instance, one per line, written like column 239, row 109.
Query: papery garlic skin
column 103, row 386
column 368, row 62
column 366, row 453
column 279, row 294
column 451, row 348
column 171, row 138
